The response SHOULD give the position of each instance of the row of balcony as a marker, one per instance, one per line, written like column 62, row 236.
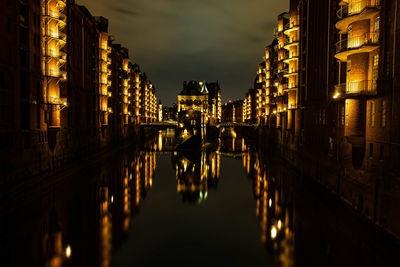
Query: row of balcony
column 355, row 8
column 356, row 11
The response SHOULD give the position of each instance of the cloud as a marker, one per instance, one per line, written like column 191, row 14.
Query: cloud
column 176, row 40
column 125, row 11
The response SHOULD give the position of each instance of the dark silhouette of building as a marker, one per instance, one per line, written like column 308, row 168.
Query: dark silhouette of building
column 232, row 111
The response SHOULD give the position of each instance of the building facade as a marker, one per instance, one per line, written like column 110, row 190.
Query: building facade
column 334, row 97
column 233, row 111
column 66, row 89
column 202, row 97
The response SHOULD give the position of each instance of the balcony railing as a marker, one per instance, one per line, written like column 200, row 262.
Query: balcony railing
column 56, row 15
column 55, row 35
column 62, row 3
column 290, row 25
column 290, row 41
column 369, row 38
column 62, row 36
column 354, row 8
column 357, row 87
column 289, row 71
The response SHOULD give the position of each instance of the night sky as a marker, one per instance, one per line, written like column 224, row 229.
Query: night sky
column 177, row 40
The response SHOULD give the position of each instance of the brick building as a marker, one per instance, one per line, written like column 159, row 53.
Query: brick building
column 66, row 90
column 334, row 112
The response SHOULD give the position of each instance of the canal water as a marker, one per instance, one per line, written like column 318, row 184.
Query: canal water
column 149, row 205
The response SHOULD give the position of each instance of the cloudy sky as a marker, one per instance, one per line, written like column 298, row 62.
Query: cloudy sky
column 177, row 40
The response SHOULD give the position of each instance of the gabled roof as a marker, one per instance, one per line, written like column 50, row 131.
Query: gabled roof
column 192, row 88
column 204, row 88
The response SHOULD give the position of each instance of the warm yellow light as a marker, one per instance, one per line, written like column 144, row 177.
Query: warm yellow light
column 336, row 95
column 68, row 251
column 273, row 232
column 279, row 224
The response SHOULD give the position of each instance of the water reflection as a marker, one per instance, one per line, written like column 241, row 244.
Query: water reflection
column 52, row 242
column 84, row 218
column 196, row 171
column 120, row 205
column 105, row 225
column 274, row 210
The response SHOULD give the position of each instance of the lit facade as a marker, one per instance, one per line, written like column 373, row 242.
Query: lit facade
column 104, row 71
column 160, row 112
column 251, row 106
column 333, row 97
column 357, row 53
column 60, row 88
column 54, row 41
column 214, row 102
column 270, row 86
column 126, row 89
column 202, row 97
column 148, row 100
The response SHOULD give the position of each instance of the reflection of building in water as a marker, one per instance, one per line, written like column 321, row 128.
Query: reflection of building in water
column 126, row 197
column 144, row 166
column 119, row 197
column 233, row 144
column 52, row 243
column 105, row 227
column 161, row 140
column 195, row 172
column 274, row 209
column 237, row 138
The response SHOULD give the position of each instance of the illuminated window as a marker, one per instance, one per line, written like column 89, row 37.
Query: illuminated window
column 376, row 61
column 376, row 24
column 383, row 115
column 375, row 69
column 372, row 114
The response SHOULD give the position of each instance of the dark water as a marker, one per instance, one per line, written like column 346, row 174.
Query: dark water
column 227, row 205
